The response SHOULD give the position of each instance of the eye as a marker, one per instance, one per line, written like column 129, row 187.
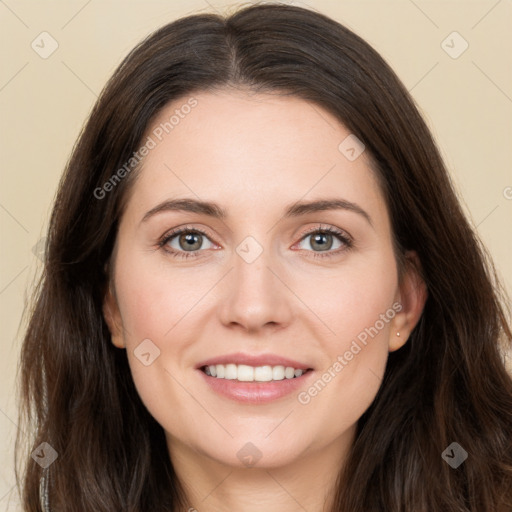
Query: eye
column 324, row 239
column 185, row 242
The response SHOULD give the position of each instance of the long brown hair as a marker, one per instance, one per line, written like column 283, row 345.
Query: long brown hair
column 447, row 384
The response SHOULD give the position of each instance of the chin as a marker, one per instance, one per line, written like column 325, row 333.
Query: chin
column 254, row 453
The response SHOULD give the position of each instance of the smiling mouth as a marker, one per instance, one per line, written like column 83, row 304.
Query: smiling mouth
column 246, row 373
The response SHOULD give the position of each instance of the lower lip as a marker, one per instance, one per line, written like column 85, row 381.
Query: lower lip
column 256, row 392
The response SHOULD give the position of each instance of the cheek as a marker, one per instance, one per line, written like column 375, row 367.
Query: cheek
column 158, row 308
column 350, row 298
column 153, row 298
column 156, row 349
column 355, row 309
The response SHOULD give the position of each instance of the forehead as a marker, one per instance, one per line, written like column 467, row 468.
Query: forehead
column 251, row 152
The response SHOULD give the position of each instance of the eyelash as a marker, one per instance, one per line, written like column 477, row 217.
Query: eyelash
column 342, row 237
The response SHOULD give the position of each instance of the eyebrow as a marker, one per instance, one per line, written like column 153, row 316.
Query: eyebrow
column 216, row 211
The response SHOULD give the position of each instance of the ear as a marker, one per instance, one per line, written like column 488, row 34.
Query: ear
column 412, row 295
column 113, row 318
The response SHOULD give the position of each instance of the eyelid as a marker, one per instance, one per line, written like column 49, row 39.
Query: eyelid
column 327, row 229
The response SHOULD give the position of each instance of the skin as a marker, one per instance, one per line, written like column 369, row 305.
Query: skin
column 255, row 154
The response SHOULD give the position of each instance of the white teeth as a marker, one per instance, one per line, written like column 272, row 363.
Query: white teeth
column 263, row 373
column 246, row 373
column 230, row 372
column 278, row 373
column 220, row 371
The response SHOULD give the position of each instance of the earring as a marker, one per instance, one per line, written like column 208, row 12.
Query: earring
column 397, row 333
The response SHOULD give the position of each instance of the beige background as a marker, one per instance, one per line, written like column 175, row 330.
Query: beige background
column 467, row 101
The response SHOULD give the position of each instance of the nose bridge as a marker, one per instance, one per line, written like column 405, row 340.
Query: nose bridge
column 255, row 296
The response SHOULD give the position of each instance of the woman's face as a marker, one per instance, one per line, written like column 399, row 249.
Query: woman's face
column 263, row 285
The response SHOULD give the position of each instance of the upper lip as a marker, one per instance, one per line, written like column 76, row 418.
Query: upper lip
column 254, row 360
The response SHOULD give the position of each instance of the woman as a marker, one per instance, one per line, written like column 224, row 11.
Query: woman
column 260, row 291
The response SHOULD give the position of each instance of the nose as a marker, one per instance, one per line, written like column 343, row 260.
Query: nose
column 255, row 295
